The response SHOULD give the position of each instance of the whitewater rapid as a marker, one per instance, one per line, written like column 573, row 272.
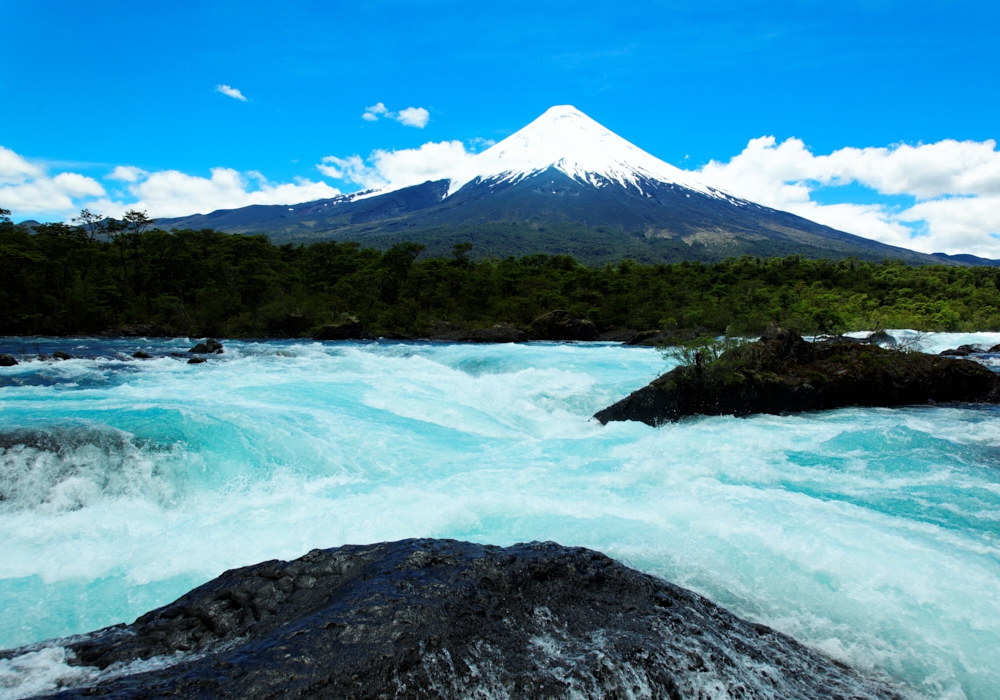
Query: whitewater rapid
column 872, row 535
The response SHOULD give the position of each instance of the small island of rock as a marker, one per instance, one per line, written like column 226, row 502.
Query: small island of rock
column 783, row 373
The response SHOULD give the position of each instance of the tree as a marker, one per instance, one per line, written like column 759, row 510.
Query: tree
column 4, row 216
column 459, row 251
column 395, row 267
column 136, row 222
column 92, row 224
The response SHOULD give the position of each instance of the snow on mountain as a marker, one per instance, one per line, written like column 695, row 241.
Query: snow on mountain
column 568, row 140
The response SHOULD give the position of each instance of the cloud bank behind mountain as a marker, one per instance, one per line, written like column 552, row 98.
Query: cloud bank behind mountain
column 942, row 196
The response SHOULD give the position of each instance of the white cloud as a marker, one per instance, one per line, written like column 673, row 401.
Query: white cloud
column 26, row 187
column 171, row 193
column 411, row 116
column 950, row 189
column 410, row 166
column 479, row 143
column 14, row 169
column 231, row 92
column 352, row 169
column 955, row 186
column 29, row 191
column 126, row 173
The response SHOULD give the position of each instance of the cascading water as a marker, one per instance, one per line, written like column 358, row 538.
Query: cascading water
column 872, row 535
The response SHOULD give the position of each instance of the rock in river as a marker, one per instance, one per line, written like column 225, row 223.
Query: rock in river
column 350, row 329
column 500, row 333
column 210, row 347
column 562, row 325
column 447, row 619
column 963, row 351
column 7, row 361
column 782, row 373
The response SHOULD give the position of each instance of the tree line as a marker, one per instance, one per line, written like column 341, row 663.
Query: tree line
column 97, row 275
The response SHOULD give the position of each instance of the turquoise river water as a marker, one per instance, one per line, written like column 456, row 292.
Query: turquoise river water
column 872, row 535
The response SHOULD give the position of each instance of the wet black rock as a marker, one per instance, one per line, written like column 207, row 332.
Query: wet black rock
column 618, row 335
column 196, row 360
column 782, row 373
column 447, row 331
column 995, row 348
column 209, row 347
column 667, row 337
column 141, row 355
column 447, row 619
column 60, row 355
column 880, row 337
column 562, row 325
column 963, row 351
column 7, row 361
column 500, row 333
column 350, row 329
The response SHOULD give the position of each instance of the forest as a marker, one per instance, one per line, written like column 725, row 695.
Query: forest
column 97, row 275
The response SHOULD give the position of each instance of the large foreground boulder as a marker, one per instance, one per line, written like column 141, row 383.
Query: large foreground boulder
column 447, row 619
column 562, row 325
column 782, row 373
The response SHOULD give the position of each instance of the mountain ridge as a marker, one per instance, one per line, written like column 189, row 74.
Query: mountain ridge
column 561, row 169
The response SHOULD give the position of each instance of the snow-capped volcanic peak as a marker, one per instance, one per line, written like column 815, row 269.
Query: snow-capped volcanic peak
column 568, row 140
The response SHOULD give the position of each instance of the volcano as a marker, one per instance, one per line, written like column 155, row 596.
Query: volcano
column 562, row 184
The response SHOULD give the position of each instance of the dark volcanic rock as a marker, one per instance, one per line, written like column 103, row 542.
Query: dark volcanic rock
column 60, row 355
column 562, row 325
column 782, row 373
column 209, row 347
column 882, row 338
column 618, row 335
column 963, row 351
column 500, row 333
column 197, row 360
column 445, row 330
column 141, row 355
column 447, row 619
column 351, row 329
column 669, row 337
column 7, row 361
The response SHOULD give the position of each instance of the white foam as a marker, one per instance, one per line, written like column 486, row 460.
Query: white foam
column 42, row 671
column 869, row 534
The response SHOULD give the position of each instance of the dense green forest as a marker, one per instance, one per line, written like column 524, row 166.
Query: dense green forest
column 96, row 276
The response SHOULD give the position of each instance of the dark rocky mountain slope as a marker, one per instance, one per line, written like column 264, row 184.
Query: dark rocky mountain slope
column 562, row 184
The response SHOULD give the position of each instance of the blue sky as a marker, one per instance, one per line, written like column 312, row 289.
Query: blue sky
column 88, row 87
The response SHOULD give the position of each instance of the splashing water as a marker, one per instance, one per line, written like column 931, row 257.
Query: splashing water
column 872, row 535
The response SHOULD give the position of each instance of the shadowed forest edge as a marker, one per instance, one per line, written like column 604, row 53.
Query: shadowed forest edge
column 100, row 276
